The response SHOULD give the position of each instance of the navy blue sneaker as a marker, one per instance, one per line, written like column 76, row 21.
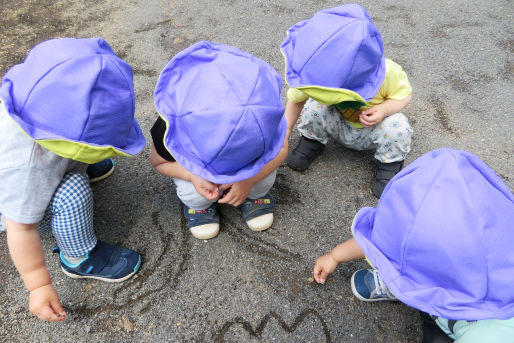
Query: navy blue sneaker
column 204, row 224
column 258, row 213
column 100, row 170
column 105, row 262
column 367, row 286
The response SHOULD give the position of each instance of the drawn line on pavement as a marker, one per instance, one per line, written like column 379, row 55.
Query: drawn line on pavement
column 257, row 332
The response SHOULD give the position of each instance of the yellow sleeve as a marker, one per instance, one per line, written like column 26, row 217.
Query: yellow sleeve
column 296, row 95
column 396, row 85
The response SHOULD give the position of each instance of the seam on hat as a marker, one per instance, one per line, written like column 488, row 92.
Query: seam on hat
column 241, row 115
column 89, row 102
column 319, row 47
column 492, row 178
column 415, row 217
column 39, row 80
column 132, row 95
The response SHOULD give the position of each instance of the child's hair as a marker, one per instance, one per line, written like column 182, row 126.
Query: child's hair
column 223, row 111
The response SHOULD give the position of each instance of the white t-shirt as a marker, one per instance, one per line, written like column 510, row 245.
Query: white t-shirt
column 29, row 173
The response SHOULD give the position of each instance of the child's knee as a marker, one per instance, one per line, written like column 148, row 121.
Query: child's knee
column 188, row 195
column 314, row 111
column 396, row 127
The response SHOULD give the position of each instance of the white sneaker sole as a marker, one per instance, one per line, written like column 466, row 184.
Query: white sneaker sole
column 261, row 223
column 206, row 231
column 75, row 276
column 100, row 178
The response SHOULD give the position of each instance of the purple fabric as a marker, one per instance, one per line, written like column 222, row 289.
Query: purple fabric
column 223, row 111
column 76, row 90
column 338, row 47
column 442, row 237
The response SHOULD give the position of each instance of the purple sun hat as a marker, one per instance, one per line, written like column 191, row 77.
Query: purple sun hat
column 338, row 48
column 76, row 98
column 223, row 111
column 442, row 237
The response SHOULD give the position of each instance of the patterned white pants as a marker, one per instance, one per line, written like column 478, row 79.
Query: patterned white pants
column 391, row 138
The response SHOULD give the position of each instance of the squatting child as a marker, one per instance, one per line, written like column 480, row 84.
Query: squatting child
column 69, row 104
column 343, row 88
column 440, row 240
column 220, row 134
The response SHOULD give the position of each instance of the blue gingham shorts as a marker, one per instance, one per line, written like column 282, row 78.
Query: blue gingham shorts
column 70, row 215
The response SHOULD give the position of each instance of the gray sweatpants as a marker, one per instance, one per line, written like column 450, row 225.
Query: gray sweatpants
column 187, row 193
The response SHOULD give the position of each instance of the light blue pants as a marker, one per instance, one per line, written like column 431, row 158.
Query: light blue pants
column 391, row 138
column 70, row 216
column 187, row 193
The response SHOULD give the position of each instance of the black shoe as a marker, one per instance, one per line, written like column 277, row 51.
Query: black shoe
column 305, row 152
column 383, row 174
column 100, row 170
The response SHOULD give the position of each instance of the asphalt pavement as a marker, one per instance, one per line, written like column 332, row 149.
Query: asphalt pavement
column 244, row 286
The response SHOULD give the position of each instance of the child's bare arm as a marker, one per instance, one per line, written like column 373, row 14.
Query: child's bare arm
column 27, row 254
column 347, row 251
column 239, row 190
column 167, row 168
column 374, row 115
column 173, row 169
column 292, row 113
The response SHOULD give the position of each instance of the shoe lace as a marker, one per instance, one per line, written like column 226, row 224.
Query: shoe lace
column 381, row 289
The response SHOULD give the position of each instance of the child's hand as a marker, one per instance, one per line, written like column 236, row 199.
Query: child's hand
column 372, row 116
column 238, row 192
column 44, row 303
column 205, row 188
column 323, row 266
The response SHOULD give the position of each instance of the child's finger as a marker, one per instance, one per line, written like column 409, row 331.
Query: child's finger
column 317, row 273
column 225, row 186
column 48, row 314
column 59, row 310
column 227, row 198
column 323, row 276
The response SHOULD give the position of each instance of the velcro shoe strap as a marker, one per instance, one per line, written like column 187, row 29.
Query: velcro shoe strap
column 102, row 254
column 253, row 208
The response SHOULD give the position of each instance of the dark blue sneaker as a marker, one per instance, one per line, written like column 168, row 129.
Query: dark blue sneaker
column 100, row 170
column 105, row 262
column 258, row 213
column 204, row 224
column 367, row 286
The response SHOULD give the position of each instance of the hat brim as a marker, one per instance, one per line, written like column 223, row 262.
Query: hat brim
column 86, row 152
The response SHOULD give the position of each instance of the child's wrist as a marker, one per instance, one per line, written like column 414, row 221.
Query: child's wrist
column 36, row 279
column 333, row 256
column 41, row 286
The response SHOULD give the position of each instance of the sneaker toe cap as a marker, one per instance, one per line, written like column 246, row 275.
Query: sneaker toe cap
column 127, row 264
column 205, row 231
column 359, row 287
column 261, row 223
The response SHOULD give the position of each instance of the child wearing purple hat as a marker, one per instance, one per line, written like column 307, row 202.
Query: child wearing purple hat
column 69, row 104
column 220, row 134
column 440, row 240
column 343, row 88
